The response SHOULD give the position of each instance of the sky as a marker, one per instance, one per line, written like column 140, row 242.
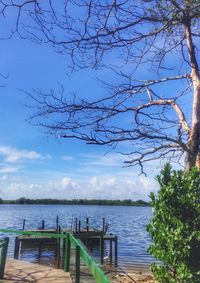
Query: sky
column 34, row 165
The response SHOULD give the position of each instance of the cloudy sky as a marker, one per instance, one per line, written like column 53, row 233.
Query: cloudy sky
column 37, row 166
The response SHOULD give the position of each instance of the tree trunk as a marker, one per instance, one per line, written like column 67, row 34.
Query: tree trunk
column 198, row 160
column 194, row 138
column 192, row 155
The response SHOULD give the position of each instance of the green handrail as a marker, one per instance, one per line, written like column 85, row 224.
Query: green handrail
column 93, row 267
column 88, row 260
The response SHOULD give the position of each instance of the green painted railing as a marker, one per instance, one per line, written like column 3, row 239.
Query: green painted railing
column 80, row 252
column 93, row 267
column 3, row 253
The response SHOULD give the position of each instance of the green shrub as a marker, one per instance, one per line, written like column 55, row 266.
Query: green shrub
column 175, row 227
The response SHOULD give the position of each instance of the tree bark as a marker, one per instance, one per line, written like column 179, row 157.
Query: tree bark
column 194, row 137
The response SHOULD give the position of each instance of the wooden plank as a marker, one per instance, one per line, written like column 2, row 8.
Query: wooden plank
column 21, row 271
column 94, row 236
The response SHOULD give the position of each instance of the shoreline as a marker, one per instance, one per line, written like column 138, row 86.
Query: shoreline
column 138, row 273
column 135, row 277
column 100, row 202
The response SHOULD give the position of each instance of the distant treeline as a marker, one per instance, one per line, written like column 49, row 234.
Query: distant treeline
column 126, row 202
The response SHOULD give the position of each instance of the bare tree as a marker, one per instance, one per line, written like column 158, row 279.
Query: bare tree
column 150, row 45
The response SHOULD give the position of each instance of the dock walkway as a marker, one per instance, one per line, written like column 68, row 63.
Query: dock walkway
column 22, row 271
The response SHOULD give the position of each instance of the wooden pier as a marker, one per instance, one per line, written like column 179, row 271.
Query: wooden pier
column 74, row 258
column 22, row 271
column 91, row 237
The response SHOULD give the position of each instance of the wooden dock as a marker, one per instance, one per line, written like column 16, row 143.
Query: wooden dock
column 69, row 252
column 22, row 271
column 89, row 235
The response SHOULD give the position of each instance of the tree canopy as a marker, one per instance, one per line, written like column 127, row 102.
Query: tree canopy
column 151, row 46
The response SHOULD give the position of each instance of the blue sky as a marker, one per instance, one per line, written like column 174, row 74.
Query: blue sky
column 36, row 166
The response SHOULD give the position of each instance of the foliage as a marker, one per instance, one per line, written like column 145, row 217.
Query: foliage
column 126, row 202
column 175, row 226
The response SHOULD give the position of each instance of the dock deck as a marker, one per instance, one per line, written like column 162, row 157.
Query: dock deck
column 70, row 250
column 21, row 271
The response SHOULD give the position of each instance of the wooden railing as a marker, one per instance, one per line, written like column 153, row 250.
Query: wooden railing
column 81, row 252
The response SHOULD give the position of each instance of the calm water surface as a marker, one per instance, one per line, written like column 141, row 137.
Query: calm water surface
column 128, row 223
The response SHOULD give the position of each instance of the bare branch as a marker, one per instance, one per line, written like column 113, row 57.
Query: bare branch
column 152, row 49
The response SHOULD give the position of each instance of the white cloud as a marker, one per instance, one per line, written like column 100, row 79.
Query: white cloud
column 8, row 169
column 16, row 190
column 12, row 155
column 119, row 187
column 107, row 160
column 3, row 178
column 67, row 183
column 95, row 187
column 67, row 157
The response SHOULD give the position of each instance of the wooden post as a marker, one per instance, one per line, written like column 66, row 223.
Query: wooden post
column 103, row 228
column 64, row 250
column 111, row 252
column 16, row 250
column 42, row 225
column 39, row 250
column 87, row 224
column 116, row 251
column 72, row 224
column 101, row 249
column 57, row 223
column 76, row 225
column 3, row 257
column 24, row 221
column 77, row 265
column 58, row 247
column 91, row 245
column 67, row 255
column 79, row 226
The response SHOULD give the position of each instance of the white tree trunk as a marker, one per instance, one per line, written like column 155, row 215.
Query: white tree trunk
column 194, row 138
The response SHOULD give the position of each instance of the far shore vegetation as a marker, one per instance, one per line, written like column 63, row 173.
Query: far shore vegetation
column 126, row 202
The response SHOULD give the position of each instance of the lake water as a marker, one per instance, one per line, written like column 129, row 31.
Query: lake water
column 128, row 223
